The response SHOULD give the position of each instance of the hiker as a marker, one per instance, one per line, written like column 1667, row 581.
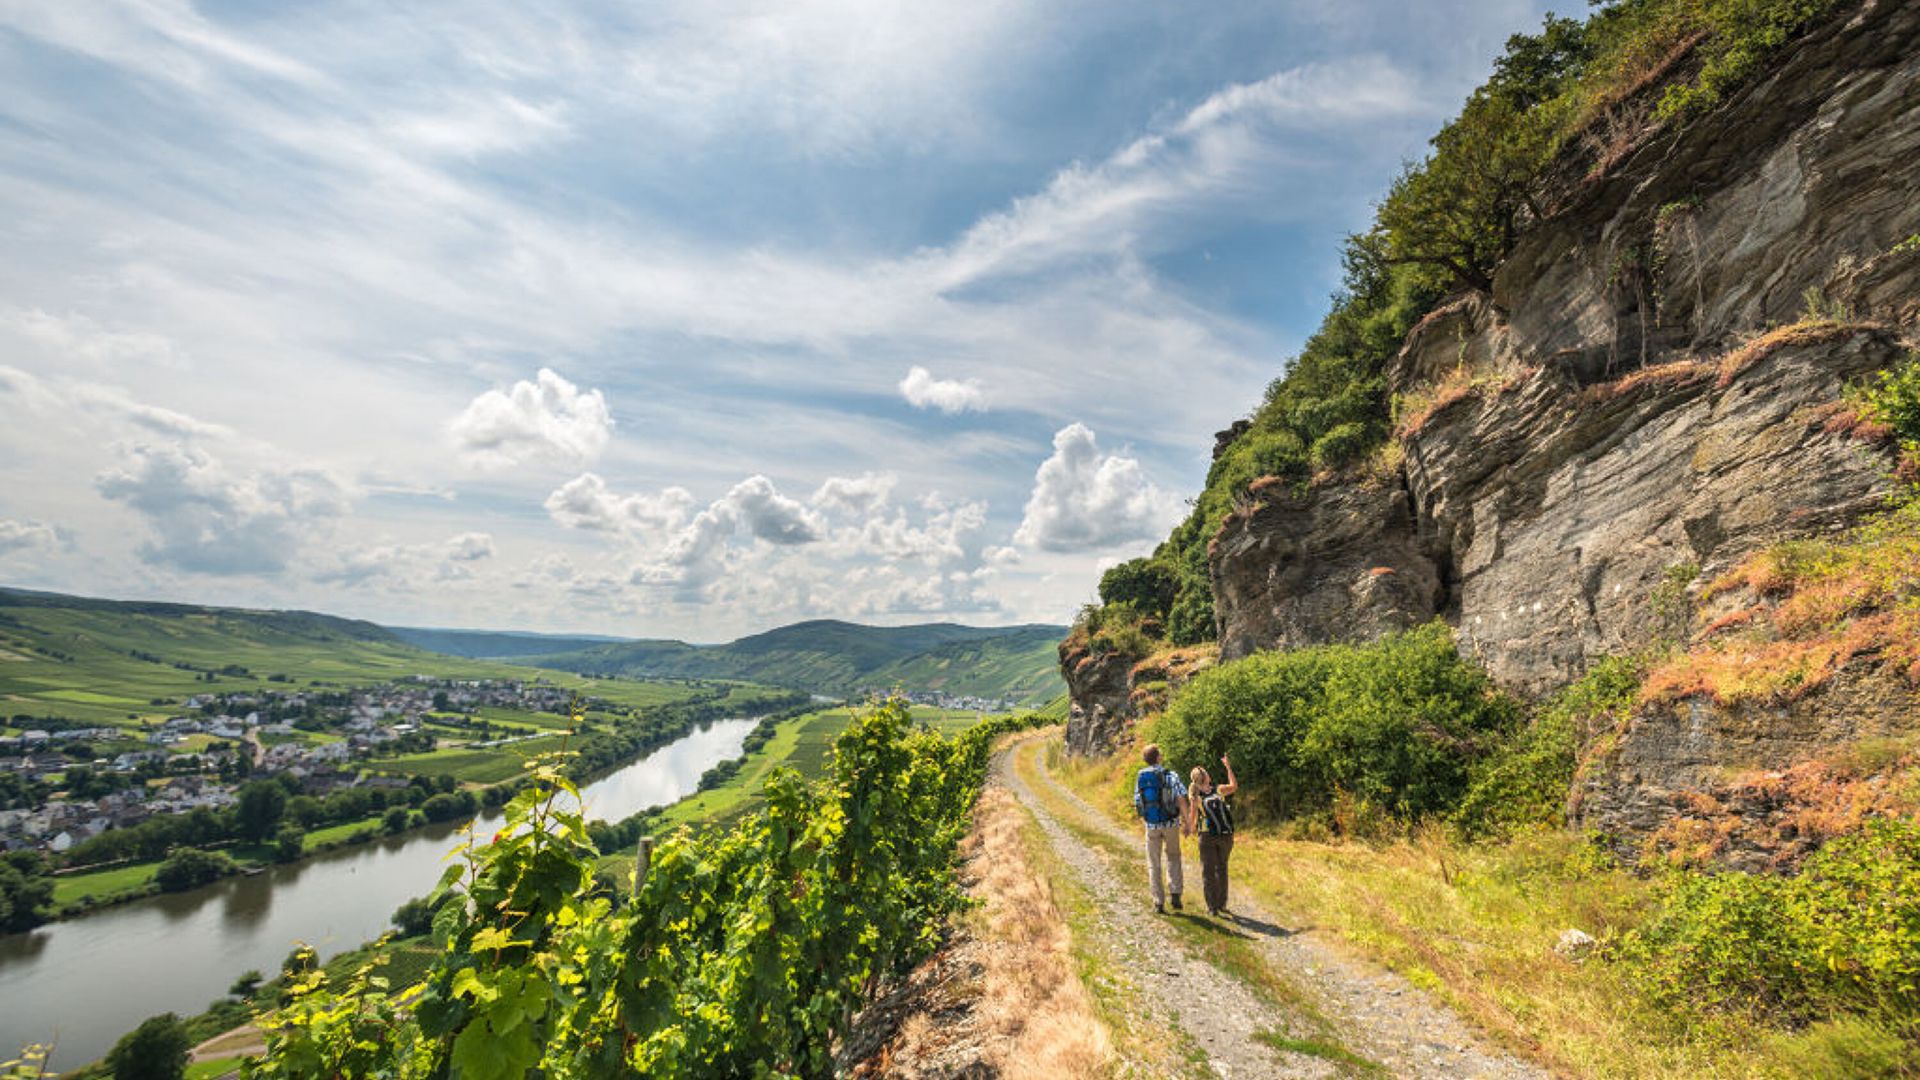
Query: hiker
column 1161, row 801
column 1213, row 820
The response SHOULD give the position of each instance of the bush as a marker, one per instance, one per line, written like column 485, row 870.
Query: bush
column 1396, row 724
column 1525, row 781
column 190, row 868
column 1145, row 584
column 156, row 1050
column 1841, row 938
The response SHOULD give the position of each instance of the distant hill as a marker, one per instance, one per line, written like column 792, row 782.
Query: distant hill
column 829, row 656
column 496, row 644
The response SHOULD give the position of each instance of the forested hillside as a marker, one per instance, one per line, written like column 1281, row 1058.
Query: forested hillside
column 832, row 657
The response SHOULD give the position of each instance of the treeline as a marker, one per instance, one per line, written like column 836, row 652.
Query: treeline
column 746, row 952
column 1570, row 97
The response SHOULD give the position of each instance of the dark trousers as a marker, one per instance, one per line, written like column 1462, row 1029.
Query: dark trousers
column 1214, row 850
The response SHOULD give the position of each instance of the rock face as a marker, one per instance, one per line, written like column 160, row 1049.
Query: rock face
column 1749, row 785
column 1617, row 417
column 1571, row 518
column 1333, row 563
column 1100, row 687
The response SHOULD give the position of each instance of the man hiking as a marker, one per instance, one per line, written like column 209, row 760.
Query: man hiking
column 1161, row 801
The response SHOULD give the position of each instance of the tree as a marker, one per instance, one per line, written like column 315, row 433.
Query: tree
column 246, row 985
column 414, row 918
column 289, row 844
column 1146, row 584
column 25, row 891
column 395, row 820
column 189, row 868
column 156, row 1050
column 262, row 803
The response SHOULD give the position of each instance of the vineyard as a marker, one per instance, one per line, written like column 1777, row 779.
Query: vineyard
column 743, row 952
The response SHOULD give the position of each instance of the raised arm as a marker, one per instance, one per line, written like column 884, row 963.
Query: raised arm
column 1231, row 785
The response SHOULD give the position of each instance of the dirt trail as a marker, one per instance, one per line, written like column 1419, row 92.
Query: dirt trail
column 1373, row 1013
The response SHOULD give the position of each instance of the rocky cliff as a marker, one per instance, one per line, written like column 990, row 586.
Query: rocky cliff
column 1647, row 397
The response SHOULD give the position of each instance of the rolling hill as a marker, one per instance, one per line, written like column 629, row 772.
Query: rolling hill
column 495, row 644
column 829, row 656
column 121, row 663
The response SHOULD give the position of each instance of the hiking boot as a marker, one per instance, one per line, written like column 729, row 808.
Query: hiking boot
column 1159, row 909
column 1176, row 901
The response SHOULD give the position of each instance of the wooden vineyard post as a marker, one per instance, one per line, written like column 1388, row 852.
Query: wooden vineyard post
column 644, row 860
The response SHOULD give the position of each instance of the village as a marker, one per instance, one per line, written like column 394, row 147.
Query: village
column 64, row 784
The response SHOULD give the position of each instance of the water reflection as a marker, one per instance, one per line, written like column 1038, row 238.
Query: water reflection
column 91, row 980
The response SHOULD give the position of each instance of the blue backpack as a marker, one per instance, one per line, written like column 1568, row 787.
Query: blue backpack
column 1154, row 799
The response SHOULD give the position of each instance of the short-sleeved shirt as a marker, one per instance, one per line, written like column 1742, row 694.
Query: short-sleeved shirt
column 1150, row 811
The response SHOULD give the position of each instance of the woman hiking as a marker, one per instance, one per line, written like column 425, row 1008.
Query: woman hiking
column 1213, row 819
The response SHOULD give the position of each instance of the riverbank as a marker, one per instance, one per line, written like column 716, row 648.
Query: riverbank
column 66, row 980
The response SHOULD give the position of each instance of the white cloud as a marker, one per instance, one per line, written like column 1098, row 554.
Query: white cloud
column 585, row 502
column 19, row 536
column 857, row 495
column 923, row 391
column 408, row 565
column 1084, row 500
column 549, row 417
column 768, row 515
column 205, row 518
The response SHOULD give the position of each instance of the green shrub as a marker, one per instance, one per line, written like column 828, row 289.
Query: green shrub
column 1893, row 399
column 1843, row 937
column 1525, row 781
column 1148, row 585
column 1396, row 724
column 190, row 868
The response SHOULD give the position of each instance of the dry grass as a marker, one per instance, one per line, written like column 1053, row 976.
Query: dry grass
column 1032, row 1016
column 1791, row 812
column 1818, row 606
column 1476, row 926
column 1722, row 370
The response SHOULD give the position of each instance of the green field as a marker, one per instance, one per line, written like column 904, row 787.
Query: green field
column 103, row 884
column 486, row 766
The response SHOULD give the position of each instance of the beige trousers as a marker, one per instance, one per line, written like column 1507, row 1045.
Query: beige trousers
column 1163, row 841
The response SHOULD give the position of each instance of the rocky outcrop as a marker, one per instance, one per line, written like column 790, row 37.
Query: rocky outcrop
column 1100, row 688
column 1335, row 562
column 1755, row 785
column 1624, row 410
column 1651, row 392
column 1572, row 516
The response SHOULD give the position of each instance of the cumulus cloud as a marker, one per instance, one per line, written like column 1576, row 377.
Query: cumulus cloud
column 923, row 391
column 585, row 502
column 1084, row 500
column 16, row 536
column 857, row 495
column 549, row 417
column 700, row 552
column 409, row 564
column 205, row 518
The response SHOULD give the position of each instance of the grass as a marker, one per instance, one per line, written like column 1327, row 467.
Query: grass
column 340, row 834
column 489, row 766
column 104, row 885
column 1816, row 606
column 1476, row 926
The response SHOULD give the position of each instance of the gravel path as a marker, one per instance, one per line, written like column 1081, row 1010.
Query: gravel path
column 1376, row 1013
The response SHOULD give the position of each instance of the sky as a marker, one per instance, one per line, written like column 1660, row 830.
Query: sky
column 667, row 319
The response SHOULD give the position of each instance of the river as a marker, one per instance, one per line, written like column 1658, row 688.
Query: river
column 85, row 982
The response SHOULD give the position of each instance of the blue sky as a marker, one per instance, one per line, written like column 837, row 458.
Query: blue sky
column 680, row 319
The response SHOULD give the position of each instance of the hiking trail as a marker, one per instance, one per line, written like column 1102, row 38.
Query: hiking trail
column 1340, row 1016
